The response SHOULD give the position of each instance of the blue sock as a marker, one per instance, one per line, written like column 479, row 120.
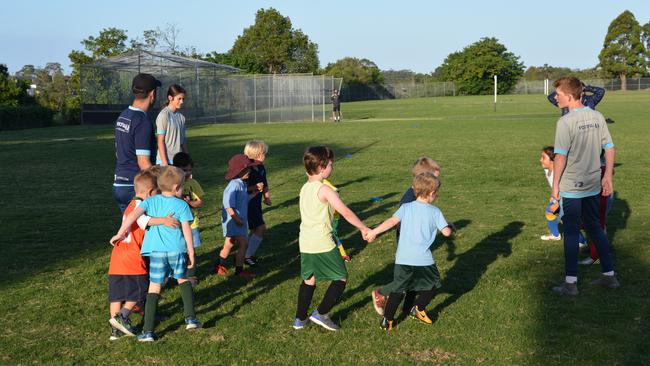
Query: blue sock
column 553, row 227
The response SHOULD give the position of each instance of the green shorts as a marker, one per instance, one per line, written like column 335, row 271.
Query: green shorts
column 413, row 278
column 328, row 266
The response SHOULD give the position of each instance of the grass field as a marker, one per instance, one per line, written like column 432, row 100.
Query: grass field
column 496, row 306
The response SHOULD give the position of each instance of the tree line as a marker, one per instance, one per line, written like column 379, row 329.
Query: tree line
column 272, row 45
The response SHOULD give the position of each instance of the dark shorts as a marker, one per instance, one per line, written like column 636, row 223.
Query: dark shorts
column 413, row 278
column 328, row 266
column 127, row 287
column 336, row 107
column 255, row 217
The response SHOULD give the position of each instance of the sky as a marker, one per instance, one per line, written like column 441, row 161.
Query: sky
column 414, row 35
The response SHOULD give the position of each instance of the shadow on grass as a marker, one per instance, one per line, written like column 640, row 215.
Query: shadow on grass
column 599, row 326
column 470, row 266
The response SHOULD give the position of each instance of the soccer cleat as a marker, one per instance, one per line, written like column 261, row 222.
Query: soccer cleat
column 115, row 334
column 420, row 315
column 588, row 261
column 386, row 324
column 569, row 289
column 250, row 261
column 324, row 321
column 246, row 275
column 299, row 324
column 607, row 281
column 147, row 337
column 221, row 270
column 192, row 323
column 122, row 324
column 551, row 237
column 378, row 301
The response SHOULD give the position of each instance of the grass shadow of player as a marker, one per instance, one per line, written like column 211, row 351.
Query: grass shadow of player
column 449, row 242
column 472, row 264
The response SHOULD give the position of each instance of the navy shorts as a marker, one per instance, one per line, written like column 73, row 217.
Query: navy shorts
column 255, row 217
column 127, row 288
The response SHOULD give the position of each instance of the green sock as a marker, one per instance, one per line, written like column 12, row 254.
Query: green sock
column 150, row 309
column 188, row 299
column 191, row 272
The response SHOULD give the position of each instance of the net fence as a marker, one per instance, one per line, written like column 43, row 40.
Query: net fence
column 215, row 93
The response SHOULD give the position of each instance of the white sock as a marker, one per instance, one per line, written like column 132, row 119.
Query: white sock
column 254, row 242
column 610, row 273
column 571, row 279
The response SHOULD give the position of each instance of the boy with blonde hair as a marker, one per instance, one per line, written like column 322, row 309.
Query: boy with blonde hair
column 423, row 164
column 257, row 182
column 415, row 267
column 319, row 258
column 170, row 251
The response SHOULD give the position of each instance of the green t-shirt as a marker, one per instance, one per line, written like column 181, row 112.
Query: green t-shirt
column 581, row 135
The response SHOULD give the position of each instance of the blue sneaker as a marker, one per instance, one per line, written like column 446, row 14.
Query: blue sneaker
column 299, row 324
column 323, row 320
column 192, row 323
column 122, row 324
column 146, row 337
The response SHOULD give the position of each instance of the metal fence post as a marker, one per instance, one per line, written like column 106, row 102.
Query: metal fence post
column 255, row 97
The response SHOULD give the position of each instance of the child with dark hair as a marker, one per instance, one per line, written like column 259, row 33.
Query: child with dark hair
column 552, row 210
column 192, row 194
column 170, row 127
column 319, row 258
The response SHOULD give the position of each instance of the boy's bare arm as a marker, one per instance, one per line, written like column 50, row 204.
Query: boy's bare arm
column 234, row 216
column 160, row 140
column 196, row 203
column 168, row 221
column 384, row 226
column 608, row 178
column 189, row 244
column 328, row 195
column 126, row 224
column 447, row 231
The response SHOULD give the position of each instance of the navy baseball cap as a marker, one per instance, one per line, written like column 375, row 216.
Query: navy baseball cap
column 144, row 83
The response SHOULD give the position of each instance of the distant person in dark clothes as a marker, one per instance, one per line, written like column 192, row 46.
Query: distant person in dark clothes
column 336, row 105
column 588, row 100
column 135, row 143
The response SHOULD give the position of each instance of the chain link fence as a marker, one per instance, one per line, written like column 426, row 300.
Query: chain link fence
column 215, row 93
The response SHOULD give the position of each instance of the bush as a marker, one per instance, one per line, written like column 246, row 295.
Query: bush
column 17, row 118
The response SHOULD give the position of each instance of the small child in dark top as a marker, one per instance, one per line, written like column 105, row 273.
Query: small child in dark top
column 256, row 150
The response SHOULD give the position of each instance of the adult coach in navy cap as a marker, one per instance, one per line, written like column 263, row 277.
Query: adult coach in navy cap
column 135, row 143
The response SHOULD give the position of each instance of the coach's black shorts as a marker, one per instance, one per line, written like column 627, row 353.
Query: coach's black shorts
column 127, row 287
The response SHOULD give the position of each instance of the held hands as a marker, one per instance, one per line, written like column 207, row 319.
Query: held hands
column 260, row 186
column 369, row 235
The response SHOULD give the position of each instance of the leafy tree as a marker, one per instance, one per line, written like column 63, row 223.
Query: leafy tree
column 13, row 92
column 623, row 53
column 273, row 43
column 52, row 87
column 355, row 71
column 28, row 72
column 473, row 68
column 645, row 40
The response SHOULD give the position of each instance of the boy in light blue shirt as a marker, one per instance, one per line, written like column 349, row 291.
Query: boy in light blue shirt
column 415, row 268
column 170, row 250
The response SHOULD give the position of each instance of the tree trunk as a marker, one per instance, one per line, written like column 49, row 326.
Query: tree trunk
column 623, row 77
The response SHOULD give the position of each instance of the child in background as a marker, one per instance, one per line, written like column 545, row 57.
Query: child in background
column 552, row 210
column 336, row 217
column 170, row 251
column 422, row 165
column 319, row 258
column 234, row 215
column 415, row 267
column 192, row 194
column 256, row 150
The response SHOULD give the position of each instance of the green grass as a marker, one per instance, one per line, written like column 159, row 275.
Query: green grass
column 495, row 308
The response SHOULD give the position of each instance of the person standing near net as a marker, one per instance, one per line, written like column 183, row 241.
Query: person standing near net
column 135, row 143
column 336, row 105
column 170, row 127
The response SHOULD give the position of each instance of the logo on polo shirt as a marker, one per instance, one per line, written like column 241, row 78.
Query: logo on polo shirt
column 123, row 125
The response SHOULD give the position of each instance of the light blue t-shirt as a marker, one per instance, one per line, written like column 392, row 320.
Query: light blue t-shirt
column 161, row 238
column 235, row 196
column 419, row 224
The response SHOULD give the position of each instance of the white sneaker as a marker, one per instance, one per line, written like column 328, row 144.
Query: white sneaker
column 551, row 237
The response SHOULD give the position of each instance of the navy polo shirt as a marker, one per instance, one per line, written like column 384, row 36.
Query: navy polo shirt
column 134, row 136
